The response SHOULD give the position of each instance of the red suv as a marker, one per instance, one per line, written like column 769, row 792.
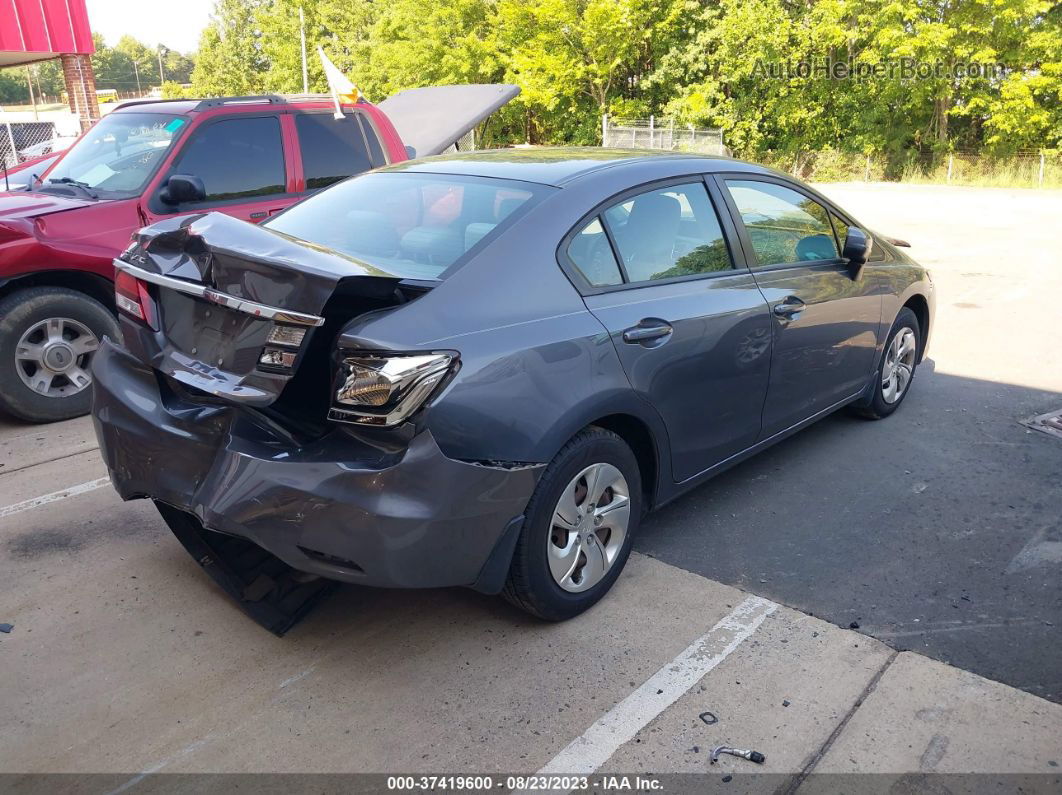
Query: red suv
column 249, row 157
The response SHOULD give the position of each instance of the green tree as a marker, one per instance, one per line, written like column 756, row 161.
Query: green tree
column 229, row 61
column 574, row 58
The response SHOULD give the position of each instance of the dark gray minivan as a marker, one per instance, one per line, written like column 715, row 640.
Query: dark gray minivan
column 483, row 369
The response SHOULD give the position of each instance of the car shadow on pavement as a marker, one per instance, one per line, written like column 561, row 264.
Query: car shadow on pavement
column 938, row 529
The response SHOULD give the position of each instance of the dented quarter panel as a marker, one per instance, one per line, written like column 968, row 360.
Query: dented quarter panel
column 526, row 342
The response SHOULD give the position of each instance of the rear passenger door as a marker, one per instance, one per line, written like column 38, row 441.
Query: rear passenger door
column 333, row 149
column 691, row 329
column 240, row 160
column 825, row 322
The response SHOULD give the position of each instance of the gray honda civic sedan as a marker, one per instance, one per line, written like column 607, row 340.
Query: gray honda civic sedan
column 484, row 369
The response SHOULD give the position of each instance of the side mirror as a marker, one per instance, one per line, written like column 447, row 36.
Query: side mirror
column 857, row 249
column 181, row 188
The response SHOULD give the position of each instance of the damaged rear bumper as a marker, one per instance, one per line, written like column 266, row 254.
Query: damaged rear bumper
column 339, row 506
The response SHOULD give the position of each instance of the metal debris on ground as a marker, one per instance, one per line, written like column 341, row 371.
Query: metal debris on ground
column 752, row 756
column 1050, row 423
column 6, row 627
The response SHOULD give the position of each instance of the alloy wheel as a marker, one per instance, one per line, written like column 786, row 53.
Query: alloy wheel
column 589, row 527
column 899, row 365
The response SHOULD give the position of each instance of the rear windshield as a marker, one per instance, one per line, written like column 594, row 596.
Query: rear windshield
column 416, row 225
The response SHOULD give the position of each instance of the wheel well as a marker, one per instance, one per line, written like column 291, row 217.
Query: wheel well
column 640, row 439
column 918, row 305
column 91, row 284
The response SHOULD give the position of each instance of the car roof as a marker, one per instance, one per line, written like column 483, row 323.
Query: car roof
column 185, row 106
column 559, row 166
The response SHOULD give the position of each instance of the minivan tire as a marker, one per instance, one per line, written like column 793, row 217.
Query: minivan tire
column 530, row 585
column 19, row 312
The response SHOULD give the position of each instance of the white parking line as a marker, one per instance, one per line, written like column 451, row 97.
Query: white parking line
column 588, row 752
column 55, row 496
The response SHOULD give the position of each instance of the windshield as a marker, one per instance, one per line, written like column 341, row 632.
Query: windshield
column 118, row 155
column 414, row 224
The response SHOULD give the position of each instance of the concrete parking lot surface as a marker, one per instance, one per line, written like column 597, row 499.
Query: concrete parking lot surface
column 935, row 530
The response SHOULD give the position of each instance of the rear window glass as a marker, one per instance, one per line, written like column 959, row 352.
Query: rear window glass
column 332, row 149
column 376, row 154
column 413, row 225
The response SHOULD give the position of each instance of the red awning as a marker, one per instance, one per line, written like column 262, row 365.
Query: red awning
column 35, row 30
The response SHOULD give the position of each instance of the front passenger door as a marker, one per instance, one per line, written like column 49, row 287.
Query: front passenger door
column 692, row 331
column 825, row 322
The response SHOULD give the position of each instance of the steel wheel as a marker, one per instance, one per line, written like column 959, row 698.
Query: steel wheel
column 52, row 357
column 899, row 365
column 589, row 527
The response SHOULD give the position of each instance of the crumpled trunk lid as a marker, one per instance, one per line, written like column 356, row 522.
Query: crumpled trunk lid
column 220, row 286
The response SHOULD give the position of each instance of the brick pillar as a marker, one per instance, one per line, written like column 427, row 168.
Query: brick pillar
column 80, row 88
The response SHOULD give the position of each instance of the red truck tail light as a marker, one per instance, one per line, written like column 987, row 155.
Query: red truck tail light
column 132, row 297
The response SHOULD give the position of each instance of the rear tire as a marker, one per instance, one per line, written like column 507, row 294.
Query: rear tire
column 595, row 479
column 42, row 328
column 896, row 372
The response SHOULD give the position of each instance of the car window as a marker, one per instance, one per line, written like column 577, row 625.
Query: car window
column 784, row 226
column 669, row 232
column 236, row 158
column 119, row 154
column 412, row 224
column 376, row 155
column 332, row 149
column 591, row 253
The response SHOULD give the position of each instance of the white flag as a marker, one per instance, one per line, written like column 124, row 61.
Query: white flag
column 339, row 85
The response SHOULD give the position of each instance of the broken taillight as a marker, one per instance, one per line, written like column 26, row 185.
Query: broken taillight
column 132, row 297
column 386, row 388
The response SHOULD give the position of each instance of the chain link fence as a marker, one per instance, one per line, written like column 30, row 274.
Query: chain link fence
column 653, row 133
column 22, row 140
column 466, row 143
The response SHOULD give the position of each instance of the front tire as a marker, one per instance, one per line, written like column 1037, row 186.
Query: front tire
column 579, row 526
column 48, row 336
column 895, row 374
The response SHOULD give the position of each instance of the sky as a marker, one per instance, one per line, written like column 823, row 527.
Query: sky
column 175, row 23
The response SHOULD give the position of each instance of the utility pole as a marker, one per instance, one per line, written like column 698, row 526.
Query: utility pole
column 302, row 36
column 162, row 77
column 136, row 72
column 33, row 100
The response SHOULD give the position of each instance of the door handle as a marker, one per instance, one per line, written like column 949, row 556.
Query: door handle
column 789, row 307
column 647, row 330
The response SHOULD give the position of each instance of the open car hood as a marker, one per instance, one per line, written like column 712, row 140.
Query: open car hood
column 431, row 119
